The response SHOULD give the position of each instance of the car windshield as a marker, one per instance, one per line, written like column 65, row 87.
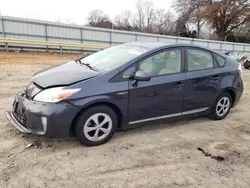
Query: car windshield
column 113, row 57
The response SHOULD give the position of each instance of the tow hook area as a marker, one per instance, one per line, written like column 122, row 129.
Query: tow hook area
column 15, row 123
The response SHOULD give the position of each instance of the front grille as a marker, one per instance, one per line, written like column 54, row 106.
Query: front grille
column 21, row 118
column 19, row 114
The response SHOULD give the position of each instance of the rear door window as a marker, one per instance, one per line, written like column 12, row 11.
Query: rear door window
column 199, row 60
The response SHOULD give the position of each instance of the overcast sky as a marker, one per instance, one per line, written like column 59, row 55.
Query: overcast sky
column 74, row 11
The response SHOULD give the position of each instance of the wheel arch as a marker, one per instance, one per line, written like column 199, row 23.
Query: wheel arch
column 111, row 105
column 232, row 93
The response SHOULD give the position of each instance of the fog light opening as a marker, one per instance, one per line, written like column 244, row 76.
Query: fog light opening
column 44, row 123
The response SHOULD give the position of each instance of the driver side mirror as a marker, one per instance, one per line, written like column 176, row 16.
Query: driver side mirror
column 142, row 76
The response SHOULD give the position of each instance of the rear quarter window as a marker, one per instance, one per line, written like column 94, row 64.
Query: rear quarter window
column 221, row 60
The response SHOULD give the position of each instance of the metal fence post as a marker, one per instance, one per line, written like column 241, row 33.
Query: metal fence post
column 136, row 37
column 1, row 19
column 46, row 34
column 221, row 46
column 110, row 37
column 81, row 33
column 244, row 49
column 3, row 33
column 158, row 38
column 177, row 39
column 6, row 46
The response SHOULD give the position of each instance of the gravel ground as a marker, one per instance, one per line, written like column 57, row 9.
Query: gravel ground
column 192, row 153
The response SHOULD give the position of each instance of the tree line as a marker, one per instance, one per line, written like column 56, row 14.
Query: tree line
column 208, row 19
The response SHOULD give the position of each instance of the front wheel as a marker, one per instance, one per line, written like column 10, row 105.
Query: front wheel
column 222, row 107
column 96, row 126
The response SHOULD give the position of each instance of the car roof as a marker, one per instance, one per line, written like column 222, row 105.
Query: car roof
column 149, row 45
column 158, row 45
column 155, row 45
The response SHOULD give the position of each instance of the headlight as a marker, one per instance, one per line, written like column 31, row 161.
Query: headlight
column 54, row 95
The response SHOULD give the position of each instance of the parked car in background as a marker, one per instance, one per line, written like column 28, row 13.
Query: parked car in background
column 125, row 86
column 246, row 64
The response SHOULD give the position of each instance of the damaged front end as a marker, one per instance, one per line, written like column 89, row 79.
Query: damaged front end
column 41, row 118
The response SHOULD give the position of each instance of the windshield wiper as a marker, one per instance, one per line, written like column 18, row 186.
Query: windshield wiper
column 86, row 64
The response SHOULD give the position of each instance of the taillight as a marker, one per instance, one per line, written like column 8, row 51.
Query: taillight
column 240, row 70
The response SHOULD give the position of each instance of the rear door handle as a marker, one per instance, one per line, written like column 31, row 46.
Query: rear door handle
column 178, row 85
column 216, row 78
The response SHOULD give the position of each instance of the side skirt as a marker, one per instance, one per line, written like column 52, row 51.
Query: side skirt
column 170, row 115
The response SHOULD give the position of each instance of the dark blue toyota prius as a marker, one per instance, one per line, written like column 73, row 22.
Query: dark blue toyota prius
column 126, row 86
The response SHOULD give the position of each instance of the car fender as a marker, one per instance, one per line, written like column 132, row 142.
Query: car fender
column 85, row 102
column 227, row 89
column 116, row 102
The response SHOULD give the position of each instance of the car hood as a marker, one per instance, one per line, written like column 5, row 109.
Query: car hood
column 64, row 74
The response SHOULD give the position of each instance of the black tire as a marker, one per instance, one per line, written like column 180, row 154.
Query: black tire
column 213, row 115
column 79, row 127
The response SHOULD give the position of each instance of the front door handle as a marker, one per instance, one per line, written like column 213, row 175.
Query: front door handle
column 178, row 85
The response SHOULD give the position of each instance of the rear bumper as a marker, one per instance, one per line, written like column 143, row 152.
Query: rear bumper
column 239, row 92
column 51, row 120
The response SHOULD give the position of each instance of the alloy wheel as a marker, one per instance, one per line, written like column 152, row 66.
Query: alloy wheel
column 223, row 106
column 97, row 127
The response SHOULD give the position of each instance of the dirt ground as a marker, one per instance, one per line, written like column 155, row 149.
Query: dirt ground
column 192, row 153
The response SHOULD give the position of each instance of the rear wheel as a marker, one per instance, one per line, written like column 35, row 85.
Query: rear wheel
column 96, row 126
column 221, row 107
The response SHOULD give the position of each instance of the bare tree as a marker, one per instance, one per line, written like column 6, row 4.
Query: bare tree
column 98, row 19
column 190, row 12
column 226, row 15
column 164, row 22
column 149, row 15
column 123, row 20
column 208, row 32
column 160, row 21
column 197, row 19
column 140, row 15
column 182, row 27
column 96, row 16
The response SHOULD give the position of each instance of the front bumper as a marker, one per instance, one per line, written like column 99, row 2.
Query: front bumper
column 11, row 118
column 48, row 119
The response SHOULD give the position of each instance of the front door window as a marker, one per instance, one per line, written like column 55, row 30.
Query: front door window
column 168, row 62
